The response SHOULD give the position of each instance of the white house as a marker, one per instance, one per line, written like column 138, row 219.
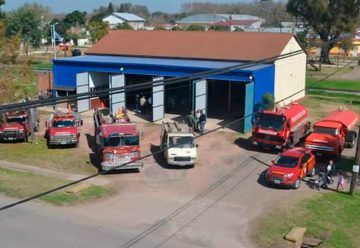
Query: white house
column 117, row 18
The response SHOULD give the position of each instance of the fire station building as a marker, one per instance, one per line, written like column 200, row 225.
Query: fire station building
column 180, row 66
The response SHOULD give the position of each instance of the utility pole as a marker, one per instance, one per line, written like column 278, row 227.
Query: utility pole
column 355, row 171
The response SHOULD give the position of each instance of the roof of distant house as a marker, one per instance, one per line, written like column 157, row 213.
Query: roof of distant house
column 127, row 16
column 228, row 23
column 212, row 18
column 224, row 46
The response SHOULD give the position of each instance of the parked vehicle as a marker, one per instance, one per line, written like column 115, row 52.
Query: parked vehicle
column 280, row 128
column 333, row 133
column 63, row 129
column 290, row 167
column 177, row 141
column 117, row 141
column 17, row 127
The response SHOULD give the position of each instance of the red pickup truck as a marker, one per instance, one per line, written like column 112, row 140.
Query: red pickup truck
column 290, row 167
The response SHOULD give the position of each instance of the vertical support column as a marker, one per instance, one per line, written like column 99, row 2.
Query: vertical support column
column 249, row 106
column 200, row 95
column 117, row 100
column 82, row 86
column 158, row 99
column 229, row 98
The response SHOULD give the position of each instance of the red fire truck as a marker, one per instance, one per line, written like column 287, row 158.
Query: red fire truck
column 280, row 128
column 117, row 141
column 16, row 126
column 333, row 133
column 63, row 129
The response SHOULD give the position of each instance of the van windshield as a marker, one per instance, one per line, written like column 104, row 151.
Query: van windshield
column 288, row 162
column 17, row 119
column 128, row 140
column 181, row 142
column 326, row 130
column 64, row 123
column 270, row 121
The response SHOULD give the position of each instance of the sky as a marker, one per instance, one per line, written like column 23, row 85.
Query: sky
column 64, row 6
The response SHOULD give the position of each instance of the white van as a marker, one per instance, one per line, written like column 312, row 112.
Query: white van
column 177, row 141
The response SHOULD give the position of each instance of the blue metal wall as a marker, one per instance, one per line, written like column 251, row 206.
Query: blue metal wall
column 263, row 76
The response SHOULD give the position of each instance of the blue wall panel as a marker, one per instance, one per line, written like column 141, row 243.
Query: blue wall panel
column 263, row 76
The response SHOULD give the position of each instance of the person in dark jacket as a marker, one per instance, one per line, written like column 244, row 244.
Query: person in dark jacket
column 202, row 121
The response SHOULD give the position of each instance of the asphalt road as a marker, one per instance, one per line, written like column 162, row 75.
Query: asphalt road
column 211, row 205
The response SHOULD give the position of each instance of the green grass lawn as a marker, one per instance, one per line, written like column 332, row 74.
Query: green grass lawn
column 41, row 65
column 24, row 184
column 333, row 217
column 320, row 105
column 326, row 70
column 61, row 159
column 333, row 84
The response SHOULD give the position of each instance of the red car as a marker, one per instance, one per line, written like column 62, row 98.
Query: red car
column 290, row 167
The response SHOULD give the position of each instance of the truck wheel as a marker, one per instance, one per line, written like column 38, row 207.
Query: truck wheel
column 297, row 183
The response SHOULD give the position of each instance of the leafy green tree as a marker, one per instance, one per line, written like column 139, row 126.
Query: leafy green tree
column 26, row 21
column 220, row 28
column 268, row 101
column 98, row 30
column 176, row 28
column 195, row 27
column 75, row 19
column 2, row 2
column 124, row 25
column 328, row 18
column 9, row 47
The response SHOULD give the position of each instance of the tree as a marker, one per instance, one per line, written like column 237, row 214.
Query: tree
column 75, row 19
column 268, row 101
column 124, row 25
column 220, row 28
column 26, row 21
column 328, row 18
column 2, row 2
column 195, row 27
column 98, row 30
column 9, row 47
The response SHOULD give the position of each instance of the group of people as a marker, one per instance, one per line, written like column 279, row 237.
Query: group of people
column 197, row 120
column 143, row 104
column 325, row 179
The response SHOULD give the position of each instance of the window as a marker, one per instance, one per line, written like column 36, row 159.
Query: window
column 288, row 162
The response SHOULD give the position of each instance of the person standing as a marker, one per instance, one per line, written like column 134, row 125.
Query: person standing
column 137, row 103
column 330, row 168
column 202, row 122
column 341, row 181
column 191, row 120
column 142, row 104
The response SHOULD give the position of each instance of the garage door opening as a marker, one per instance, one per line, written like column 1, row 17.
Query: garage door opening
column 131, row 95
column 178, row 98
column 226, row 99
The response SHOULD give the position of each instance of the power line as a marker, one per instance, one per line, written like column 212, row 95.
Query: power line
column 145, row 85
column 157, row 152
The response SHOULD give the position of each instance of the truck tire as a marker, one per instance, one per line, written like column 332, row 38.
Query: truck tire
column 297, row 183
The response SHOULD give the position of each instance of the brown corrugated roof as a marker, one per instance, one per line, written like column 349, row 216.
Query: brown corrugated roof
column 233, row 46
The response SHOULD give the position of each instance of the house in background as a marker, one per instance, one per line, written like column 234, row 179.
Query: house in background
column 209, row 20
column 240, row 24
column 117, row 18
